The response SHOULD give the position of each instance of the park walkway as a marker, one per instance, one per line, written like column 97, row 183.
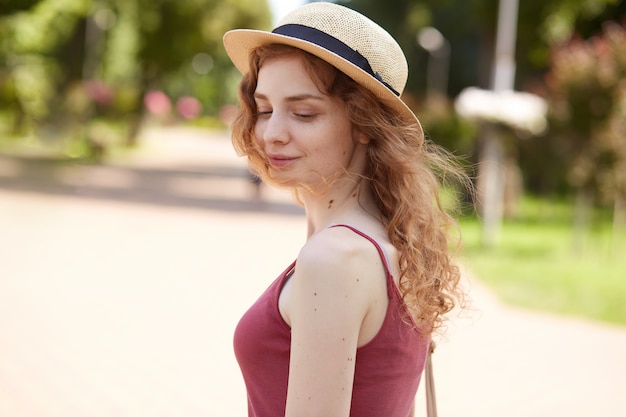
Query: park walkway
column 121, row 284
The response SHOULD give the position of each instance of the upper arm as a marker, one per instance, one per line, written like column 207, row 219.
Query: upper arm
column 330, row 297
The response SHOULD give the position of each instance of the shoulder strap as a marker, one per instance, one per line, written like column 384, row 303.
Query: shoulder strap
column 381, row 252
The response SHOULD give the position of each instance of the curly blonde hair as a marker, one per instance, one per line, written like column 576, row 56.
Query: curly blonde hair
column 403, row 172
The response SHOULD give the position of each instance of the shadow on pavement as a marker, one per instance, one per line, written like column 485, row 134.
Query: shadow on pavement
column 213, row 187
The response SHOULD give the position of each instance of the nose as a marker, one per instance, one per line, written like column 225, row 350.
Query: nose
column 273, row 128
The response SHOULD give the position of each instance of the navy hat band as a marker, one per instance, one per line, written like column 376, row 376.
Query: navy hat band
column 331, row 44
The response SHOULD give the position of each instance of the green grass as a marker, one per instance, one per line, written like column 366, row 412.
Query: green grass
column 541, row 263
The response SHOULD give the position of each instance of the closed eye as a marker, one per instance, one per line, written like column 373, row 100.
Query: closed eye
column 304, row 115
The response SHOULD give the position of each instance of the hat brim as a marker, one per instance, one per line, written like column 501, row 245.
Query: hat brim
column 240, row 42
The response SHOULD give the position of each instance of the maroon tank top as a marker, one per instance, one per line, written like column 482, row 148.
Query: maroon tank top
column 387, row 369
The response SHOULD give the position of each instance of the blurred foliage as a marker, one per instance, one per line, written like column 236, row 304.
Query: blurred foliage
column 586, row 145
column 587, row 86
column 445, row 127
column 543, row 25
column 12, row 6
column 470, row 27
column 66, row 63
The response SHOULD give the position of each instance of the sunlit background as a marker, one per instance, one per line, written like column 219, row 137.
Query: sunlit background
column 132, row 239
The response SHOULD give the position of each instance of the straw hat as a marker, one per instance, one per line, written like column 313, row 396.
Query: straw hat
column 340, row 36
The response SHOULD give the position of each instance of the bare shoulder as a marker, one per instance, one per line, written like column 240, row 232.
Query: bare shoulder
column 341, row 257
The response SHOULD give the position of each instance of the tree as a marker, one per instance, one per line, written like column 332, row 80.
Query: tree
column 29, row 69
column 168, row 36
column 587, row 86
column 97, row 58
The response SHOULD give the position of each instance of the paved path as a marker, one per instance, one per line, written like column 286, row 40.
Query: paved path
column 120, row 286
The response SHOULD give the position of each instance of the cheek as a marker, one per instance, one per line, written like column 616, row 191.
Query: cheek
column 258, row 134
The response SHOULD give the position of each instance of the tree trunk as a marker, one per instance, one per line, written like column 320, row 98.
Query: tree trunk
column 582, row 216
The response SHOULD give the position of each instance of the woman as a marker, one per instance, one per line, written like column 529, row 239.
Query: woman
column 345, row 329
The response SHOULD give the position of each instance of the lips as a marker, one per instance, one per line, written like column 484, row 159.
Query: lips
column 280, row 161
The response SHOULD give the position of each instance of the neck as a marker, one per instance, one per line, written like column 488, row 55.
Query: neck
column 343, row 202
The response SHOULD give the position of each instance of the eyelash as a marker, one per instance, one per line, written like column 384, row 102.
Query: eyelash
column 299, row 115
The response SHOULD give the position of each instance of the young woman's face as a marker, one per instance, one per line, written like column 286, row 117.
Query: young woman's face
column 304, row 133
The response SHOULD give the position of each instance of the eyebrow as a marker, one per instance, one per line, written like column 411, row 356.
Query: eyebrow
column 297, row 97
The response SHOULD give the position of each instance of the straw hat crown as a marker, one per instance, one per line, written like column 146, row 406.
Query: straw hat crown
column 358, row 32
column 344, row 38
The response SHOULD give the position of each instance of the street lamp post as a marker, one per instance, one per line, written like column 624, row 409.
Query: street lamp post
column 503, row 76
column 438, row 49
column 491, row 169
